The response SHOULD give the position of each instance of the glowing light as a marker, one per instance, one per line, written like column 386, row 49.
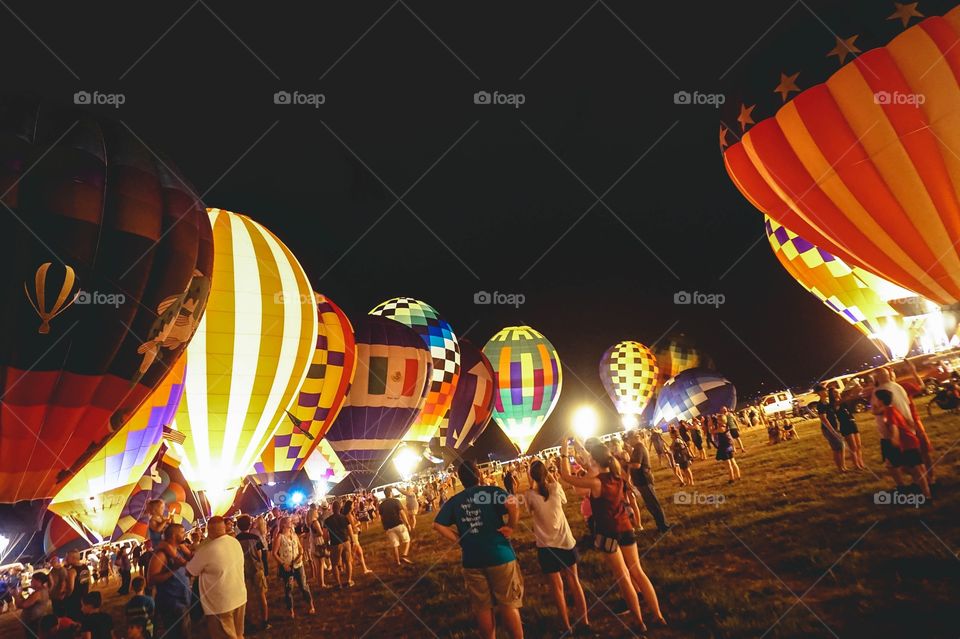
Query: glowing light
column 629, row 421
column 585, row 422
column 405, row 461
column 296, row 498
column 896, row 339
column 4, row 543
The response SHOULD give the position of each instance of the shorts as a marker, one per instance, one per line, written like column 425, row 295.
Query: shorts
column 255, row 582
column 723, row 454
column 735, row 433
column 556, row 559
column 397, row 535
column 413, row 510
column 339, row 553
column 227, row 625
column 494, row 586
column 910, row 458
column 612, row 543
column 890, row 453
column 848, row 428
column 833, row 438
column 683, row 464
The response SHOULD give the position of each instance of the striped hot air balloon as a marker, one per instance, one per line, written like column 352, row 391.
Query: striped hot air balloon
column 331, row 372
column 389, row 389
column 856, row 150
column 248, row 359
column 527, row 380
column 95, row 496
column 438, row 335
column 472, row 405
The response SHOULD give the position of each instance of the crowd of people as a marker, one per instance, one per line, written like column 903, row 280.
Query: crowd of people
column 217, row 572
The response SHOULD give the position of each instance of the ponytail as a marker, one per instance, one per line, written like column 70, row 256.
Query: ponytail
column 539, row 474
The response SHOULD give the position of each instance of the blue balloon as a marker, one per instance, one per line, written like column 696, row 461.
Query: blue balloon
column 694, row 392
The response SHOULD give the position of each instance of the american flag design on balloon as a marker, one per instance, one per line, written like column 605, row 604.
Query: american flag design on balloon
column 438, row 335
column 472, row 405
column 527, row 380
column 321, row 396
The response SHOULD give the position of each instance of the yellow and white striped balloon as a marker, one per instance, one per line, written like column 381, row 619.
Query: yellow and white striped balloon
column 248, row 359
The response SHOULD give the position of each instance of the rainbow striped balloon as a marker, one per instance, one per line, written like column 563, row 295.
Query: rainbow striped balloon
column 249, row 357
column 527, row 379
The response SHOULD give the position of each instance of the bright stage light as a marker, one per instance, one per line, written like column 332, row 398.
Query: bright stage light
column 585, row 422
column 296, row 498
column 629, row 421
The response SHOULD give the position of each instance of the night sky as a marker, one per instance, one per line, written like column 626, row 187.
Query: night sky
column 597, row 199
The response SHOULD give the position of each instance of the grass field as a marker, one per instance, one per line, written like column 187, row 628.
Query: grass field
column 794, row 550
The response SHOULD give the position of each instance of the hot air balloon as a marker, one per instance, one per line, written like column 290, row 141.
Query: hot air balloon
column 105, row 275
column 162, row 480
column 389, row 388
column 864, row 300
column 95, row 496
column 248, row 359
column 855, row 149
column 59, row 537
column 630, row 375
column 445, row 350
column 676, row 354
column 324, row 464
column 472, row 405
column 331, row 372
column 693, row 392
column 527, row 380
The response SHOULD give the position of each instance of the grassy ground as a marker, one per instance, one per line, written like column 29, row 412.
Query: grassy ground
column 795, row 550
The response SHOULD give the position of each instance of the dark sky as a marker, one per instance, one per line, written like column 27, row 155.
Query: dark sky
column 494, row 198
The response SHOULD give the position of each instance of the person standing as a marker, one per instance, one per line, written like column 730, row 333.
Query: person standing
column 614, row 535
column 218, row 563
column 58, row 585
column 830, row 426
column 474, row 519
column 641, row 476
column 681, row 457
column 733, row 427
column 725, row 450
column 395, row 524
column 848, row 428
column 341, row 555
column 288, row 552
column 141, row 607
column 411, row 504
column 556, row 545
column 348, row 512
column 168, row 574
column 78, row 584
column 905, row 437
column 36, row 606
column 124, row 567
column 254, row 578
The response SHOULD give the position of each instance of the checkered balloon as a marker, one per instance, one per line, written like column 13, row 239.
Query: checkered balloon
column 676, row 354
column 693, row 392
column 629, row 373
column 445, row 350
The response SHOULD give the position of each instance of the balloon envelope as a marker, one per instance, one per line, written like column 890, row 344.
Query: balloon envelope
column 437, row 334
column 472, row 405
column 389, row 388
column 105, row 266
column 248, row 359
column 527, row 381
column 692, row 393
column 856, row 151
column 321, row 397
column 629, row 373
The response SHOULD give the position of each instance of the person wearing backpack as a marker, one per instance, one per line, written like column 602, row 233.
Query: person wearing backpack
column 253, row 575
column 681, row 457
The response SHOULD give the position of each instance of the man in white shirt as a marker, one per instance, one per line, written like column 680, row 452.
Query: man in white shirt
column 902, row 402
column 218, row 562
